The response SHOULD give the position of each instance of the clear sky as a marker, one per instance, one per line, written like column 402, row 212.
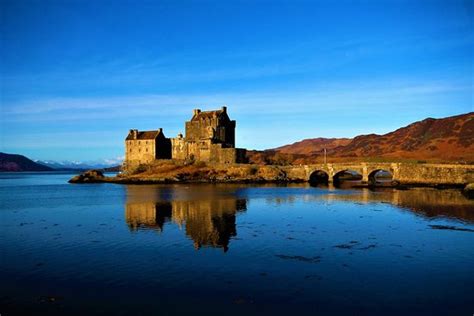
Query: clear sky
column 77, row 75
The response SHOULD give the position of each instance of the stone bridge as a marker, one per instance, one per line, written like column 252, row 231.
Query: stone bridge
column 404, row 173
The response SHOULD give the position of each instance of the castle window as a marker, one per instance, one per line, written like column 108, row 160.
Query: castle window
column 147, row 150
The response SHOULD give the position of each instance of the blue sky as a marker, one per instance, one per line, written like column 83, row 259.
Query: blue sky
column 77, row 75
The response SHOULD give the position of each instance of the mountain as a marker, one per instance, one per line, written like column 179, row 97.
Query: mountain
column 448, row 139
column 79, row 165
column 313, row 146
column 11, row 162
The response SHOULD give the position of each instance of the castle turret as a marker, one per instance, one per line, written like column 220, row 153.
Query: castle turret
column 133, row 133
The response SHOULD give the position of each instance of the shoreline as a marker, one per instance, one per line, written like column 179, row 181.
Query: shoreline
column 172, row 172
column 147, row 181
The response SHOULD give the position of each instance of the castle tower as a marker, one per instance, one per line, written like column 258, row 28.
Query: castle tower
column 215, row 126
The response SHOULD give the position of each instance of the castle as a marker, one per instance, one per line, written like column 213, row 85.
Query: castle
column 210, row 137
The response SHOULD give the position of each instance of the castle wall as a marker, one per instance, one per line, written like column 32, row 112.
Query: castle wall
column 196, row 130
column 140, row 151
column 204, row 150
column 179, row 148
column 194, row 151
column 227, row 155
column 145, row 151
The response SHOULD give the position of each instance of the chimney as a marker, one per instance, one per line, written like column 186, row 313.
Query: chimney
column 134, row 133
column 224, row 109
column 196, row 111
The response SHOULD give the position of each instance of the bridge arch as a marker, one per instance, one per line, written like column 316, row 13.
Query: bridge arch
column 380, row 176
column 319, row 177
column 346, row 175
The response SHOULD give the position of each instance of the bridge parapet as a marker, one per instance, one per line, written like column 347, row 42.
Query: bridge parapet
column 450, row 174
column 409, row 173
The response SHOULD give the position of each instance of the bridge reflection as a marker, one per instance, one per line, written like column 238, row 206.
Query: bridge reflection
column 426, row 202
column 208, row 216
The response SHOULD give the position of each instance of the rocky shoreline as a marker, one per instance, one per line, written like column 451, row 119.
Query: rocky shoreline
column 197, row 172
column 268, row 174
column 96, row 176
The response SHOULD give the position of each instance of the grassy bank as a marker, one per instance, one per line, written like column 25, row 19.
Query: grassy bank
column 176, row 171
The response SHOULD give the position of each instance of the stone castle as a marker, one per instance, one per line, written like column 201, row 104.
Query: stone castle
column 210, row 137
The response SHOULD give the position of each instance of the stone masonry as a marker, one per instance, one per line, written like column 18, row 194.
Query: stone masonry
column 210, row 137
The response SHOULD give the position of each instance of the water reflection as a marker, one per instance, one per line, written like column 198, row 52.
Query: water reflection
column 207, row 213
column 427, row 202
column 207, row 216
column 150, row 215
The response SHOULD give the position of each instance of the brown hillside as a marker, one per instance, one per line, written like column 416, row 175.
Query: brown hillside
column 448, row 139
column 313, row 146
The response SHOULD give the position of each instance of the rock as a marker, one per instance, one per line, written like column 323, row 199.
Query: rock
column 469, row 191
column 90, row 176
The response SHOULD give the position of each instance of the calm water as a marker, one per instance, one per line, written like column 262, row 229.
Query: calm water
column 232, row 249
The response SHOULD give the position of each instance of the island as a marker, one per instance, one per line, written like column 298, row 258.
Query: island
column 207, row 153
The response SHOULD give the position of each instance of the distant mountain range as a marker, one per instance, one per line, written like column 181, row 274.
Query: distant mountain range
column 11, row 162
column 438, row 140
column 77, row 165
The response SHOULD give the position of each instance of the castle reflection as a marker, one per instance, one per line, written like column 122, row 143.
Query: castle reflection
column 208, row 216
